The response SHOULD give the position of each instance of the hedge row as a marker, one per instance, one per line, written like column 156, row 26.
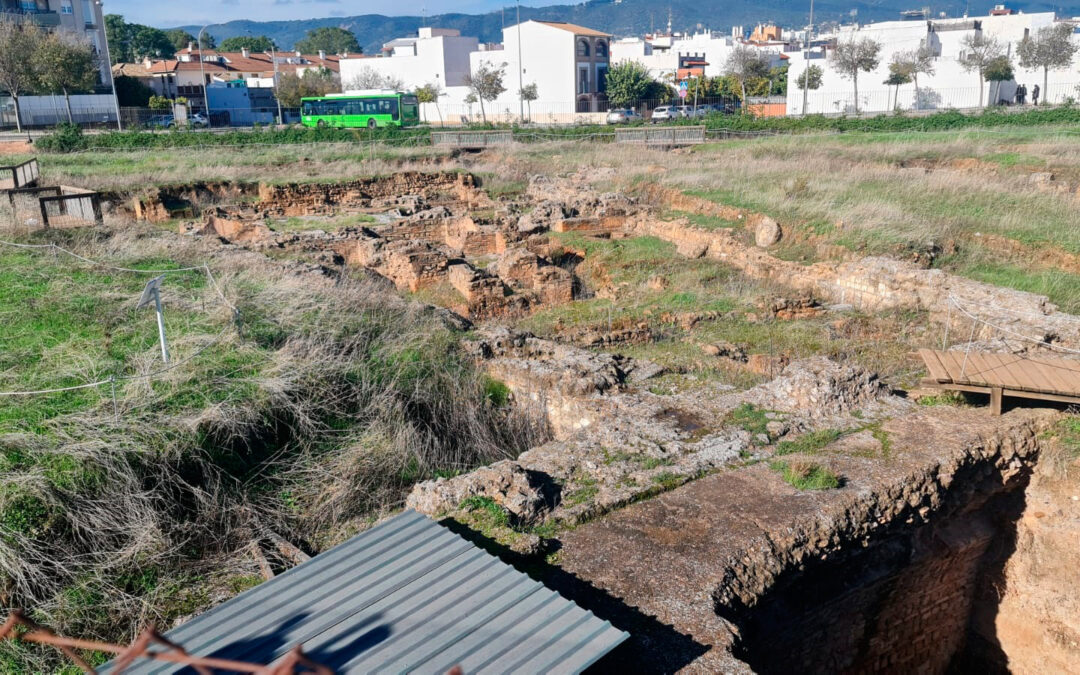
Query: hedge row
column 69, row 138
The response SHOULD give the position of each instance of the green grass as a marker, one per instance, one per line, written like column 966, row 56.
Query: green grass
column 668, row 480
column 809, row 443
column 67, row 324
column 301, row 224
column 750, row 418
column 486, row 511
column 803, row 475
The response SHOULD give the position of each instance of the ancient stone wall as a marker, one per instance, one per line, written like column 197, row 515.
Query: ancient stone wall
column 297, row 199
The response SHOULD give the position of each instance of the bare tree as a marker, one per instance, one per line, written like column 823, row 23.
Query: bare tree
column 486, row 83
column 913, row 63
column 65, row 64
column 746, row 63
column 979, row 52
column 855, row 56
column 369, row 78
column 1051, row 48
column 18, row 68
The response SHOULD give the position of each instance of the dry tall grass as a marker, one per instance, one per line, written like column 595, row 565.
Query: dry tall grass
column 333, row 399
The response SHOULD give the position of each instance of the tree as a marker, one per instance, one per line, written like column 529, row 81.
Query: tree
column 627, row 83
column 1051, row 48
column 18, row 68
column 979, row 52
column 855, row 56
column 131, row 92
column 897, row 76
column 134, row 42
column 911, row 64
column 329, row 39
column 486, row 83
column 746, row 63
column 65, row 64
column 997, row 71
column 529, row 93
column 808, row 80
column 369, row 78
column 431, row 93
column 252, row 43
column 180, row 38
column 314, row 82
column 158, row 103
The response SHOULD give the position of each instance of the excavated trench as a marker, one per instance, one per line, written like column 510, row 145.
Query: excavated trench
column 969, row 590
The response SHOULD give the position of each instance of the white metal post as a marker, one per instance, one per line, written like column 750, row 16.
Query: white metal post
column 521, row 97
column 806, row 59
column 202, row 74
column 161, row 326
column 108, row 58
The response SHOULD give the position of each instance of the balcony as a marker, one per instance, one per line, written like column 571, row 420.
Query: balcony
column 45, row 19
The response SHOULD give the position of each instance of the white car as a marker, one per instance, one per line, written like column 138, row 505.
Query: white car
column 664, row 113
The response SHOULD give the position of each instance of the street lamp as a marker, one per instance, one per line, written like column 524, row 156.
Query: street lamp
column 806, row 59
column 202, row 74
column 273, row 58
column 521, row 96
column 108, row 60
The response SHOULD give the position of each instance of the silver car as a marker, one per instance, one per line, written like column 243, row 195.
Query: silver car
column 664, row 113
column 623, row 116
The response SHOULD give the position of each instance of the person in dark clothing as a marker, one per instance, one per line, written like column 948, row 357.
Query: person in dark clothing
column 1016, row 95
column 1035, row 95
column 1023, row 94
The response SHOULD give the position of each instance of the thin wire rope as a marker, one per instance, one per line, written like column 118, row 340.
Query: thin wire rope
column 1014, row 333
column 113, row 379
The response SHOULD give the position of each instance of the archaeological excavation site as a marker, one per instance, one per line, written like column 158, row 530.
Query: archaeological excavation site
column 728, row 418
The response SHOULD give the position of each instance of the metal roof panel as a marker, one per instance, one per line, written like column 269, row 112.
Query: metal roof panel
column 407, row 595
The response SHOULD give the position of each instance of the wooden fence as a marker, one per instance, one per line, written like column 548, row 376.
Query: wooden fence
column 661, row 136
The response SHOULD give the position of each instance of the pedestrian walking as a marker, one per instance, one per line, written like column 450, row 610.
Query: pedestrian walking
column 1035, row 95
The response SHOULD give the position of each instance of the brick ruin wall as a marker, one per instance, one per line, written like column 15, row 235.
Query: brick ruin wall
column 298, row 199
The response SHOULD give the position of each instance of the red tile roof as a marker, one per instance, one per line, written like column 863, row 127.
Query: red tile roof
column 574, row 28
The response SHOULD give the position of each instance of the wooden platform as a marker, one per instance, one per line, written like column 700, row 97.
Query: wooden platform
column 1039, row 378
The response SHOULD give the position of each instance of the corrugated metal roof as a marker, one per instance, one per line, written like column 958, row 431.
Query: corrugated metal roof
column 406, row 596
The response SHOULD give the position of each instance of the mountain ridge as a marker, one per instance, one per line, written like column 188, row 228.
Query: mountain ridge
column 620, row 17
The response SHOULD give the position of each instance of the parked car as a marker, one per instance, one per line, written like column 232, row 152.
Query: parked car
column 664, row 113
column 161, row 122
column 623, row 116
column 689, row 111
column 198, row 120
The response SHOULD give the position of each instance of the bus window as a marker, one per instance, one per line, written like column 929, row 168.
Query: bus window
column 308, row 108
column 388, row 106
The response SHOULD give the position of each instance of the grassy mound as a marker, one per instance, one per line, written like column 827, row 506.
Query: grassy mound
column 320, row 407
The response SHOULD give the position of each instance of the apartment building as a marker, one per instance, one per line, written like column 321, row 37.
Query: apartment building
column 567, row 63
column 662, row 54
column 83, row 17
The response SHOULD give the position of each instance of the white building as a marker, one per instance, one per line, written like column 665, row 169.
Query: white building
column 660, row 54
column 951, row 86
column 567, row 63
column 436, row 55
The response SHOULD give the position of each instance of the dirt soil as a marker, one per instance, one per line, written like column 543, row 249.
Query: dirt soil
column 671, row 558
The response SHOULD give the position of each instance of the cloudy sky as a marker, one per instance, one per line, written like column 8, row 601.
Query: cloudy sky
column 189, row 12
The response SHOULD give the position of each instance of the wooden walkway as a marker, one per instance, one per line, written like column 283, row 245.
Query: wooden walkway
column 1040, row 378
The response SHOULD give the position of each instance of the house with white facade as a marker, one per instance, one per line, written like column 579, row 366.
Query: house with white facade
column 950, row 85
column 660, row 54
column 567, row 63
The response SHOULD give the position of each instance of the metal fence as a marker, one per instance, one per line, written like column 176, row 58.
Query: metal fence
column 661, row 136
column 54, row 206
column 472, row 140
column 20, row 175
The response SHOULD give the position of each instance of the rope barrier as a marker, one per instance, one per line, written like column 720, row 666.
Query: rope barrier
column 113, row 379
column 1010, row 331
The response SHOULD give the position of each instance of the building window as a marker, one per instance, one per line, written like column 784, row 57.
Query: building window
column 583, row 47
column 601, row 48
column 87, row 13
column 66, row 8
column 601, row 76
column 583, row 80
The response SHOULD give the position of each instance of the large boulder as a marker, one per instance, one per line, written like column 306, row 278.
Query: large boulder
column 767, row 232
column 526, row 495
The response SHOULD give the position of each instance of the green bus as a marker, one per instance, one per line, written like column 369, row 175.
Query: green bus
column 387, row 109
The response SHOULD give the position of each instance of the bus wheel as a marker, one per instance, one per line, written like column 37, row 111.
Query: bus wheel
column 321, row 123
column 371, row 124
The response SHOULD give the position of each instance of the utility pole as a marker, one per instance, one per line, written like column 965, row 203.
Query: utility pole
column 273, row 58
column 152, row 293
column 806, row 59
column 521, row 97
column 202, row 74
column 112, row 77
